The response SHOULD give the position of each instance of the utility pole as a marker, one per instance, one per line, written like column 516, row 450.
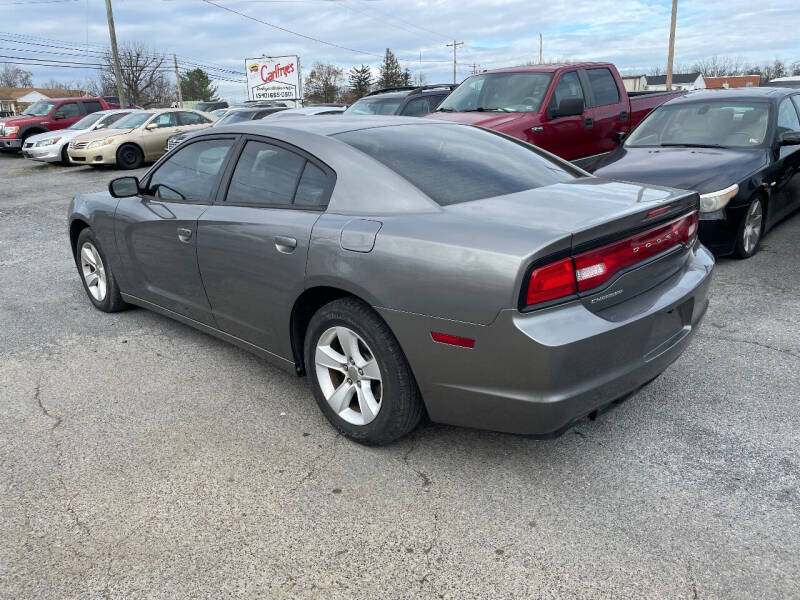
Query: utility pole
column 540, row 48
column 115, row 55
column 671, row 53
column 178, row 81
column 455, row 46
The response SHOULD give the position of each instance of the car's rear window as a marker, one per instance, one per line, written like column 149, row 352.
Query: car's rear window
column 458, row 163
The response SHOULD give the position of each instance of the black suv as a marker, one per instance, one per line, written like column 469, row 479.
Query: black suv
column 209, row 106
column 407, row 101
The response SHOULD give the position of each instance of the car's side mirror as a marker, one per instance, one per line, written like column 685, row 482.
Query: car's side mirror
column 569, row 107
column 101, row 126
column 790, row 138
column 619, row 136
column 124, row 187
column 151, row 126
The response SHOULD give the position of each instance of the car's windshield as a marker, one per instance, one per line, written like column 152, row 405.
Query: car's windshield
column 456, row 163
column 133, row 120
column 234, row 117
column 375, row 106
column 39, row 109
column 87, row 121
column 712, row 124
column 502, row 92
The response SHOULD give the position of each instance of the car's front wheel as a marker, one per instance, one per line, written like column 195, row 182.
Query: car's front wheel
column 750, row 229
column 98, row 279
column 359, row 374
column 129, row 156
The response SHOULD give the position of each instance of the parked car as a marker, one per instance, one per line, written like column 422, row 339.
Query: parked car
column 408, row 101
column 234, row 115
column 52, row 146
column 307, row 111
column 113, row 102
column 45, row 115
column 210, row 106
column 577, row 112
column 220, row 112
column 492, row 285
column 739, row 148
column 135, row 139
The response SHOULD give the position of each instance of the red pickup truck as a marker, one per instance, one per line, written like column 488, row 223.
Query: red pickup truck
column 46, row 115
column 576, row 111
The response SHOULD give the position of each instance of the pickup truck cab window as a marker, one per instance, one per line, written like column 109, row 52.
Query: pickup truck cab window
column 68, row 109
column 604, row 86
column 91, row 106
column 568, row 86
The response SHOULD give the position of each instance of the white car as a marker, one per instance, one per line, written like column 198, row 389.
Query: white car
column 51, row 146
column 307, row 111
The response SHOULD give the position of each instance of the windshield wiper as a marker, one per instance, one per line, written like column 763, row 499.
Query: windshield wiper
column 445, row 109
column 682, row 145
column 483, row 109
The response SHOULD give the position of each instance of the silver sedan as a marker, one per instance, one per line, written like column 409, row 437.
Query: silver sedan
column 51, row 146
column 406, row 267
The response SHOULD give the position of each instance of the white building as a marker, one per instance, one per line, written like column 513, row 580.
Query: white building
column 680, row 81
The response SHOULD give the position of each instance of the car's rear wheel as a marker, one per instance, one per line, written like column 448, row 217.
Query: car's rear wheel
column 750, row 229
column 359, row 374
column 98, row 280
column 129, row 156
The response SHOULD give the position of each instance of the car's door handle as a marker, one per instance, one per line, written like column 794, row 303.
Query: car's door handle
column 285, row 244
column 588, row 123
column 184, row 234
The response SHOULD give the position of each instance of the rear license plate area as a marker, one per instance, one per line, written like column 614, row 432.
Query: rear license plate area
column 668, row 328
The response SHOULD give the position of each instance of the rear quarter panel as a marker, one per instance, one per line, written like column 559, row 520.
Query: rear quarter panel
column 438, row 265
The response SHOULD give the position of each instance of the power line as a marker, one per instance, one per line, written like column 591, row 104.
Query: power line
column 440, row 36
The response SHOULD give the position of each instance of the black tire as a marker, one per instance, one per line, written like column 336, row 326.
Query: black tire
column 742, row 248
column 129, row 156
column 65, row 156
column 401, row 406
column 112, row 301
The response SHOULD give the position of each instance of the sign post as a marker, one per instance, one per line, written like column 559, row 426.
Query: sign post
column 274, row 78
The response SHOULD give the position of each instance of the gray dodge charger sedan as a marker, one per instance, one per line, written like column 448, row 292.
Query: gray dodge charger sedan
column 407, row 267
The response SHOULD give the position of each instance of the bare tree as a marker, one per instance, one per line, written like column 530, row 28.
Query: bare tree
column 324, row 83
column 13, row 76
column 143, row 75
column 55, row 84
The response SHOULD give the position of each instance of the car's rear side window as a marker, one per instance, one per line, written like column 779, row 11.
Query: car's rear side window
column 265, row 175
column 604, row 86
column 458, row 163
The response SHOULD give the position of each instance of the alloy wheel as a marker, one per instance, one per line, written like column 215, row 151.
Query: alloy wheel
column 348, row 375
column 94, row 272
column 752, row 227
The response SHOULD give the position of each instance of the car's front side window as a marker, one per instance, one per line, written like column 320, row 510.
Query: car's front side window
column 265, row 175
column 69, row 109
column 190, row 174
column 787, row 117
column 568, row 87
column 416, row 107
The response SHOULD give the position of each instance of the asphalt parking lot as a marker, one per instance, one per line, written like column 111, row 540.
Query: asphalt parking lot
column 140, row 458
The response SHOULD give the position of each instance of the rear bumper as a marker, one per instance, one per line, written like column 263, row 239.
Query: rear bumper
column 10, row 144
column 536, row 373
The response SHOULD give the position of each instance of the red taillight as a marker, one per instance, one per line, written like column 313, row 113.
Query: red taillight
column 591, row 269
column 552, row 281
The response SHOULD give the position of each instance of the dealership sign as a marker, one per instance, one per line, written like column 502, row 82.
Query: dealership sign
column 273, row 78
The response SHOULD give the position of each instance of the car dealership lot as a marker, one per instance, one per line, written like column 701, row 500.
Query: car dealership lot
column 143, row 458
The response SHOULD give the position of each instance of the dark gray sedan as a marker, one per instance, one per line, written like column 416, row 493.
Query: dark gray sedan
column 407, row 267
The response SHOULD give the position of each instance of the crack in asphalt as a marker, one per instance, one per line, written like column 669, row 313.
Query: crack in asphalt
column 57, row 421
column 314, row 467
column 751, row 342
column 426, row 480
column 437, row 533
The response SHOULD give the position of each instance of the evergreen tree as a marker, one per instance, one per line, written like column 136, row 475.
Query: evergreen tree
column 360, row 79
column 391, row 75
column 196, row 85
column 407, row 78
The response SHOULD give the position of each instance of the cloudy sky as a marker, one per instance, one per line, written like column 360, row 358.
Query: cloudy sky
column 631, row 33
